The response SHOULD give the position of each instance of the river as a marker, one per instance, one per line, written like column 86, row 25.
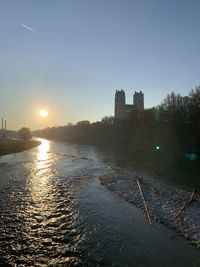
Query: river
column 54, row 212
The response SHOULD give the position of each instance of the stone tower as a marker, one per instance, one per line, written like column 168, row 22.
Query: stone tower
column 120, row 104
column 138, row 101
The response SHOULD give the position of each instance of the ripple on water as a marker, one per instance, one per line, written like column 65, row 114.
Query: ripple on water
column 38, row 215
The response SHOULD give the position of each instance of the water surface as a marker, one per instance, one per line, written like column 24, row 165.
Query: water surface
column 54, row 212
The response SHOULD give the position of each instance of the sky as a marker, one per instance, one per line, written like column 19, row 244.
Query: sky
column 70, row 56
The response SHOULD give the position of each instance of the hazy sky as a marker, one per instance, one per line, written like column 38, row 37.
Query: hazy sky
column 80, row 51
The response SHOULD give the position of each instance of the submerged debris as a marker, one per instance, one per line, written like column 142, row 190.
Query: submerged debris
column 177, row 209
column 144, row 202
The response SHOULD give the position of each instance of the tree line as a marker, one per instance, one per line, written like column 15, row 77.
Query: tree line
column 173, row 127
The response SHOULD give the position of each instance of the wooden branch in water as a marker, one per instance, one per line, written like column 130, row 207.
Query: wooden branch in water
column 186, row 203
column 144, row 202
column 142, row 181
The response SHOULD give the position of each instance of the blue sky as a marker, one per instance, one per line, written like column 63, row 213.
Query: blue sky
column 83, row 50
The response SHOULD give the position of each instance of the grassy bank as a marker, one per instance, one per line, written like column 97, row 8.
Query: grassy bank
column 14, row 146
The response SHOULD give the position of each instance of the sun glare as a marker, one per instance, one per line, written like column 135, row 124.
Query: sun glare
column 43, row 113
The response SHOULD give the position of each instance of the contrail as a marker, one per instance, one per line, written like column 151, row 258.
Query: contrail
column 29, row 28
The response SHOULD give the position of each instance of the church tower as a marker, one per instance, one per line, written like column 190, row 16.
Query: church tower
column 120, row 104
column 138, row 101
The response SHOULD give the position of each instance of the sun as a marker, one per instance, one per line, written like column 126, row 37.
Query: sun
column 43, row 113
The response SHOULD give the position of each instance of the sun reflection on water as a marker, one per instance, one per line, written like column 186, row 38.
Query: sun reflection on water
column 40, row 182
column 43, row 150
column 42, row 192
column 49, row 233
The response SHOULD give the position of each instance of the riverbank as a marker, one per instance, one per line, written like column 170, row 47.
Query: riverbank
column 165, row 203
column 13, row 146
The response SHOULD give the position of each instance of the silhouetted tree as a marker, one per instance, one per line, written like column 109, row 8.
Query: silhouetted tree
column 85, row 122
column 174, row 125
column 24, row 133
column 108, row 120
column 194, row 108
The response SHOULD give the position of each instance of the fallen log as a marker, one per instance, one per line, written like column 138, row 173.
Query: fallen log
column 186, row 203
column 144, row 202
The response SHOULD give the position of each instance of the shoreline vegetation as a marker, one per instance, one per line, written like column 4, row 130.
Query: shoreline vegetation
column 164, row 139
column 9, row 146
column 154, row 146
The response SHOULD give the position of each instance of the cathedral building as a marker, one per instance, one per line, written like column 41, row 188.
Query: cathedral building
column 122, row 109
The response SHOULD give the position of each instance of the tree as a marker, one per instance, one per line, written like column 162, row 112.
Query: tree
column 24, row 133
column 108, row 120
column 177, row 108
column 82, row 123
column 194, row 108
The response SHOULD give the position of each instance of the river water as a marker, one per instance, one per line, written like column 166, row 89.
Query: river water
column 54, row 212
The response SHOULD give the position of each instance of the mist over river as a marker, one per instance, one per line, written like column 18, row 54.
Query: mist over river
column 55, row 212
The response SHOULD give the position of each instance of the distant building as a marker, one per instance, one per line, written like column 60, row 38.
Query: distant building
column 3, row 130
column 122, row 109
